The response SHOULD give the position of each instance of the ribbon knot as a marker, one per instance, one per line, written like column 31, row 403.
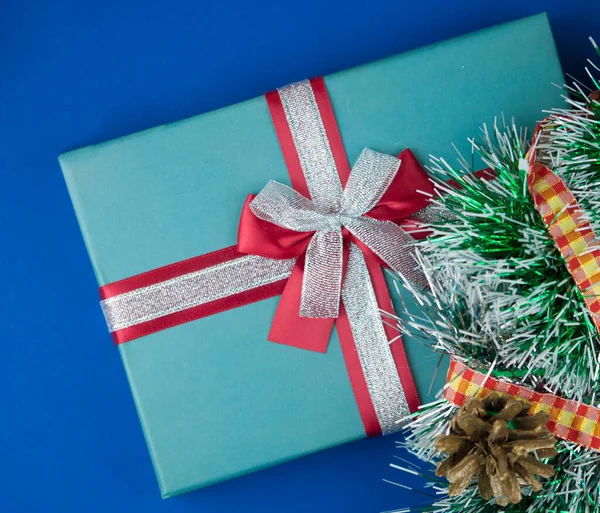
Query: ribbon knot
column 325, row 216
column 334, row 221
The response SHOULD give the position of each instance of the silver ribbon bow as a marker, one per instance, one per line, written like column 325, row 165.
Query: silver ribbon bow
column 331, row 209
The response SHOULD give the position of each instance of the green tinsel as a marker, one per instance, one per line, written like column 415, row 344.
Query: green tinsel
column 536, row 322
column 502, row 300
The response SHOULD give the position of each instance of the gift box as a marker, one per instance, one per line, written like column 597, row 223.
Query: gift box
column 216, row 399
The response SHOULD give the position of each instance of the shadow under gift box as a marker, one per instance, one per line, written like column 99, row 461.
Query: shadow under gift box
column 215, row 398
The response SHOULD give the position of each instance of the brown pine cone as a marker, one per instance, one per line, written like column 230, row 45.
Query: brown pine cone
column 492, row 440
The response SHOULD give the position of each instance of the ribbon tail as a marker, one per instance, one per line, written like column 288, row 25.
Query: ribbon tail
column 289, row 328
column 322, row 280
column 372, row 346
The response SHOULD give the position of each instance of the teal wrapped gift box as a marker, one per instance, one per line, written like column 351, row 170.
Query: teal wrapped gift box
column 215, row 398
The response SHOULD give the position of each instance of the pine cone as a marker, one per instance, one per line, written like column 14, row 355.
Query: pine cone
column 491, row 440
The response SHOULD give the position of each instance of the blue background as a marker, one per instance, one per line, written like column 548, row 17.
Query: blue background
column 75, row 72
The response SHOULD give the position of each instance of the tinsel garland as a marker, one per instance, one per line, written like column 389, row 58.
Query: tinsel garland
column 502, row 300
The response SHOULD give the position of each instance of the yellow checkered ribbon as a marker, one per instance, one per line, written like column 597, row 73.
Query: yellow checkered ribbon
column 571, row 231
column 569, row 420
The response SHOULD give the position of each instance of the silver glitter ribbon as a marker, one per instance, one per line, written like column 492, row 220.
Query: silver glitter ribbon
column 192, row 289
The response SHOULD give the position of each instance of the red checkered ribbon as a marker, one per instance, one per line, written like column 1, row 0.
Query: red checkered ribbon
column 569, row 420
column 571, row 232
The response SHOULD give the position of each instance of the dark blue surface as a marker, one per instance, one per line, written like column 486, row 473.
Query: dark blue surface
column 76, row 72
